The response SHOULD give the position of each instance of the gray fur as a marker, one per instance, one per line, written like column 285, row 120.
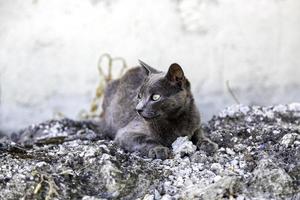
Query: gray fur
column 158, row 123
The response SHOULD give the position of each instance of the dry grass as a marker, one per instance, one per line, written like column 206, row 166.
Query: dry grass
column 105, row 70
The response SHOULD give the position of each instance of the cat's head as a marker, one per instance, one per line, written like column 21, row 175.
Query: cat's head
column 163, row 95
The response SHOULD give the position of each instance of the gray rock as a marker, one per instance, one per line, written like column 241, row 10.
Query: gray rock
column 270, row 181
column 226, row 187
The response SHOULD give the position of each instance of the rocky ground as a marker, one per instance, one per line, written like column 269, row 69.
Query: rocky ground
column 258, row 158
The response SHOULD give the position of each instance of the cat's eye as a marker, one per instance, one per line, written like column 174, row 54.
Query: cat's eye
column 155, row 97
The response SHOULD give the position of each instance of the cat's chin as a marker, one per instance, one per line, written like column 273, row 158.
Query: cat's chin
column 149, row 117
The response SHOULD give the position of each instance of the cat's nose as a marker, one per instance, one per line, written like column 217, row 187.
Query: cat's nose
column 139, row 110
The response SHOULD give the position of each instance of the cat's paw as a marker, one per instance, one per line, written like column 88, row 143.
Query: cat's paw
column 208, row 146
column 159, row 152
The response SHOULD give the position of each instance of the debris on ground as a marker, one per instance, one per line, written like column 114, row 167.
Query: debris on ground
column 258, row 158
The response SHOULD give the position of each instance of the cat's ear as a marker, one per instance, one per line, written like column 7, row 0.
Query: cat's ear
column 149, row 70
column 175, row 74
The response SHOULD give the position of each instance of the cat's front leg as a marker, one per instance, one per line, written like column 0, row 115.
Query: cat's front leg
column 204, row 143
column 143, row 143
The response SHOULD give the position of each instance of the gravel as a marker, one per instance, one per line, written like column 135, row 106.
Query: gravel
column 258, row 158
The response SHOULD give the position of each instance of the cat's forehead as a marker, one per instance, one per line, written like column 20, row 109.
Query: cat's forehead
column 157, row 83
column 154, row 79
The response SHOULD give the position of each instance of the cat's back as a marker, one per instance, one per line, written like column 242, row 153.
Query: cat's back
column 120, row 99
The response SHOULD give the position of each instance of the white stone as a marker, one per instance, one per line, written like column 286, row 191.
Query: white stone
column 230, row 151
column 183, row 145
column 166, row 197
column 216, row 167
column 294, row 107
column 148, row 197
column 288, row 139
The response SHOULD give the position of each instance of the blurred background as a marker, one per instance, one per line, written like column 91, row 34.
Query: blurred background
column 49, row 50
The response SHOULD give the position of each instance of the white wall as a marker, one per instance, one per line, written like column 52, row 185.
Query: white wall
column 49, row 50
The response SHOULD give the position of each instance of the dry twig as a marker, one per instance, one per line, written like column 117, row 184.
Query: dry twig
column 232, row 93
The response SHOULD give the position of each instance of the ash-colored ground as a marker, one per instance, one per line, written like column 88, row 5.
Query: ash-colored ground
column 258, row 158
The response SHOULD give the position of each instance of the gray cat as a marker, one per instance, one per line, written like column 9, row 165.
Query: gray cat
column 146, row 110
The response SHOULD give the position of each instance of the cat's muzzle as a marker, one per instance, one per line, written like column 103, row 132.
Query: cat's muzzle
column 147, row 115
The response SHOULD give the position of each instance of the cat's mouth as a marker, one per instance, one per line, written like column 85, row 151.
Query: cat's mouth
column 149, row 116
